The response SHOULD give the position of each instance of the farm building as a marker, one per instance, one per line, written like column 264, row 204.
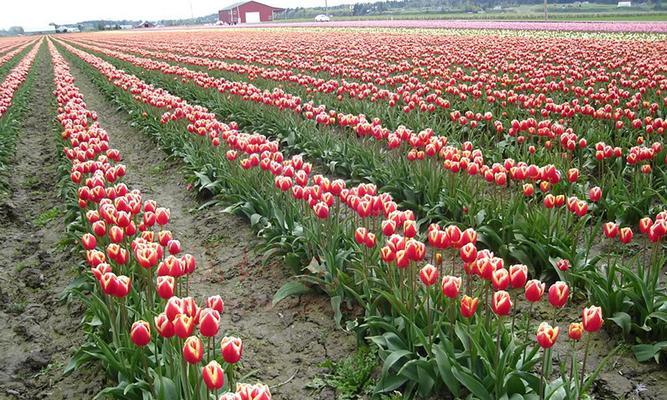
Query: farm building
column 247, row 12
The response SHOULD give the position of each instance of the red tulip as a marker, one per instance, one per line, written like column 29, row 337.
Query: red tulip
column 116, row 234
column 468, row 306
column 164, row 326
column 165, row 286
column 610, row 229
column 387, row 254
column 174, row 247
column 502, row 303
column 518, row 275
column 123, row 286
column 468, row 252
column 625, row 235
column 162, row 216
column 645, row 225
column 595, row 194
column 528, row 189
column 549, row 201
column 209, row 322
column 183, row 325
column 99, row 228
column 140, row 333
column 500, row 279
column 216, row 303
column 213, row 376
column 360, row 235
column 547, row 335
column 88, row 241
column 451, row 286
column 321, row 210
column 575, row 330
column 572, row 175
column 534, row 290
column 558, row 294
column 164, row 237
column 428, row 275
column 193, row 350
column 232, row 349
column 592, row 319
column 409, row 228
column 563, row 264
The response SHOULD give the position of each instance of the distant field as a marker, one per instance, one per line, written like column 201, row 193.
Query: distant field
column 560, row 12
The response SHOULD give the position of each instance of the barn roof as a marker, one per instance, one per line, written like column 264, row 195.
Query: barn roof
column 240, row 3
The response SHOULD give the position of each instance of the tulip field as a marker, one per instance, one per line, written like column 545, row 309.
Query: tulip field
column 335, row 213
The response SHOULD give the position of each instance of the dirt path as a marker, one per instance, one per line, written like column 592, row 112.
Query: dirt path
column 282, row 344
column 37, row 331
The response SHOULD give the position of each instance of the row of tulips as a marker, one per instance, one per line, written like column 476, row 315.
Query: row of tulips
column 385, row 280
column 171, row 350
column 15, row 78
column 428, row 83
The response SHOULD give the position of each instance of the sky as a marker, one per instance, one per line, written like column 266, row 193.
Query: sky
column 37, row 14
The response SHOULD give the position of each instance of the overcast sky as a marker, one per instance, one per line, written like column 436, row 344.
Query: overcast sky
column 36, row 14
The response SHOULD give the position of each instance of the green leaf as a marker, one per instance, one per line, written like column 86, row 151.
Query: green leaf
column 471, row 383
column 291, row 288
column 335, row 305
column 623, row 320
column 445, row 369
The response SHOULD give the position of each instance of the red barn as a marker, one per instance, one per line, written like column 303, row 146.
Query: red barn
column 247, row 12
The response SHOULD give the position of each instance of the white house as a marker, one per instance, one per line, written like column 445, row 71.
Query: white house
column 624, row 4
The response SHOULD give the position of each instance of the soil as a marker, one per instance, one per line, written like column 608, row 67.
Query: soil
column 283, row 345
column 38, row 332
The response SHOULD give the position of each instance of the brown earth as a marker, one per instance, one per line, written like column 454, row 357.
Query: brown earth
column 38, row 332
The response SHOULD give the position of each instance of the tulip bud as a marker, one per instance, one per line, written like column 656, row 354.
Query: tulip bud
column 547, row 335
column 500, row 279
column 213, row 376
column 88, row 241
column 595, row 194
column 140, row 333
column 518, row 275
column 575, row 330
column 183, row 325
column 162, row 216
column 563, row 264
column 209, row 322
column 174, row 247
column 592, row 319
column 502, row 303
column 451, row 285
column 232, row 349
column 558, row 294
column 534, row 290
column 428, row 275
column 468, row 253
column 625, row 235
column 165, row 286
column 193, row 350
column 216, row 303
column 610, row 230
column 164, row 326
column 468, row 306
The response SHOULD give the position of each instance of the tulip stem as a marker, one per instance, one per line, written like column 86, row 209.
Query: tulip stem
column 583, row 365
column 525, row 338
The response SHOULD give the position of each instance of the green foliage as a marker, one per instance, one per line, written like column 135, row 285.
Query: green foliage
column 351, row 377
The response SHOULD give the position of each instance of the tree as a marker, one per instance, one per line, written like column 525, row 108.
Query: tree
column 16, row 30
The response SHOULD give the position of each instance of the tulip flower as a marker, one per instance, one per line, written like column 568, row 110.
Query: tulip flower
column 610, row 230
column 595, row 194
column 193, row 350
column 230, row 396
column 501, row 303
column 140, row 333
column 209, row 322
column 183, row 325
column 500, row 279
column 518, row 275
column 575, row 330
column 88, row 241
column 162, row 216
column 165, row 286
column 528, row 189
column 213, row 376
column 232, row 349
column 534, row 290
column 468, row 252
column 216, row 303
column 625, row 235
column 164, row 326
column 428, row 275
column 321, row 210
column 592, row 319
column 123, row 286
column 547, row 335
column 558, row 294
column 563, row 264
column 468, row 306
column 451, row 286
